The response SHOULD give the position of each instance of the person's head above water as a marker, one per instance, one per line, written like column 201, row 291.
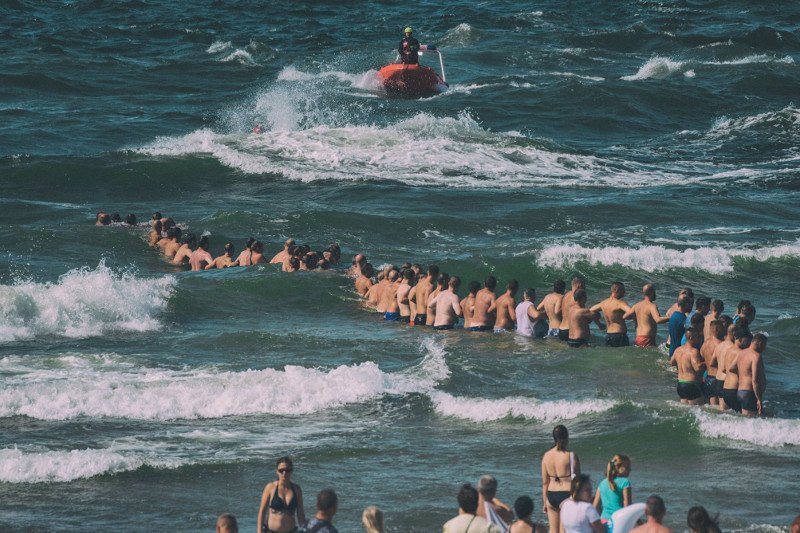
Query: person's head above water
column 408, row 30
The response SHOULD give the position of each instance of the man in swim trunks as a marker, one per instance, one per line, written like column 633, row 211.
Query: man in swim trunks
column 469, row 302
column 690, row 369
column 551, row 305
column 718, row 357
column 200, row 257
column 283, row 255
column 645, row 314
column 578, row 283
column 389, row 297
column 483, row 308
column 580, row 318
column 420, row 296
column 244, row 256
column 373, row 294
column 505, row 307
column 441, row 285
column 752, row 380
column 614, row 309
column 710, row 343
column 445, row 306
column 717, row 307
column 530, row 322
column 677, row 323
column 730, row 388
column 406, row 278
column 225, row 260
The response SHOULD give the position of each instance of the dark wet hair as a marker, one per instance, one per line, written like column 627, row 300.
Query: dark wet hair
column 174, row 233
column 579, row 280
column 158, row 227
column 718, row 329
column 455, row 281
column 294, row 263
column 685, row 302
column 743, row 333
column 468, row 498
column 327, row 500
column 559, row 286
column 293, row 250
column 130, row 219
column 760, row 337
column 523, row 507
column 104, row 218
column 227, row 522
column 285, row 459
column 157, row 215
column 693, row 333
column 748, row 309
column 367, row 270
column 115, row 217
column 741, row 304
column 579, row 295
column 654, row 506
column 513, row 285
column 577, row 484
column 703, row 301
column 204, row 242
column 687, row 291
column 697, row 320
column 616, row 286
column 561, row 437
column 433, row 271
column 229, row 247
column 700, row 521
column 530, row 293
column 168, row 223
column 473, row 287
column 249, row 242
column 726, row 320
column 444, row 279
column 408, row 274
column 323, row 264
column 717, row 305
column 490, row 283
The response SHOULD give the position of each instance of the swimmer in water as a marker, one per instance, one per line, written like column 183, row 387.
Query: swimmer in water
column 445, row 307
column 752, row 380
column 225, row 260
column 483, row 317
column 200, row 257
column 284, row 254
column 406, row 279
column 505, row 308
column 551, row 305
column 579, row 319
column 244, row 255
column 645, row 314
column 173, row 243
column 690, row 369
column 469, row 302
column 257, row 253
column 614, row 310
column 364, row 281
column 185, row 251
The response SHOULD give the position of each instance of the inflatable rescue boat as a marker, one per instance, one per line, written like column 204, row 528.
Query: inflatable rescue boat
column 400, row 80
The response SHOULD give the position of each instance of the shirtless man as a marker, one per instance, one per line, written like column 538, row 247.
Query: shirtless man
column 257, row 253
column 200, row 257
column 185, row 251
column 402, row 295
column 690, row 369
column 441, row 285
column 483, row 307
column 579, row 319
column 283, row 255
column 155, row 234
column 172, row 242
column 102, row 219
column 225, row 260
column 717, row 307
column 380, row 289
column 505, row 309
column 752, row 380
column 718, row 357
column 551, row 304
column 445, row 306
column 165, row 239
column 420, row 296
column 715, row 337
column 654, row 510
column 359, row 260
column 389, row 298
column 614, row 310
column 530, row 322
column 578, row 283
column 373, row 294
column 364, row 281
column 244, row 256
column 647, row 318
column 469, row 302
column 730, row 388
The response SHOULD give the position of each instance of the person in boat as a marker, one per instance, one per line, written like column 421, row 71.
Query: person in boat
column 409, row 48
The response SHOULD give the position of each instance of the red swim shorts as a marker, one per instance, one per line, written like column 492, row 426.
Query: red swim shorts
column 645, row 342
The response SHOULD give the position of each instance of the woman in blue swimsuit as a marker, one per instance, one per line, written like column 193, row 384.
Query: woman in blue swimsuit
column 282, row 502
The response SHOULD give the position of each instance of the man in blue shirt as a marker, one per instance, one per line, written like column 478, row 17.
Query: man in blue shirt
column 677, row 323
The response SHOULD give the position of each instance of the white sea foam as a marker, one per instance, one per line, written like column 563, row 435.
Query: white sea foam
column 160, row 394
column 461, row 35
column 579, row 76
column 772, row 432
column 788, row 116
column 218, row 46
column 659, row 67
column 53, row 466
column 485, row 410
column 83, row 303
column 240, row 56
column 658, row 258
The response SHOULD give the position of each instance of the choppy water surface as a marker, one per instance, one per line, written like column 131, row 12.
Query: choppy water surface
column 634, row 141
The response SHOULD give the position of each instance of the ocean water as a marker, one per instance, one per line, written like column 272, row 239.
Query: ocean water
column 640, row 141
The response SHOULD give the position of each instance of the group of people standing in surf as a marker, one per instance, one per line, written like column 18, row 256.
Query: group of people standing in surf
column 719, row 360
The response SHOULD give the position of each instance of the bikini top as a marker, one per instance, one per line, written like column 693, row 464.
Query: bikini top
column 557, row 479
column 277, row 504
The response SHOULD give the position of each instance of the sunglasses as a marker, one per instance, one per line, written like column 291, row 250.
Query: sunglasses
column 284, row 470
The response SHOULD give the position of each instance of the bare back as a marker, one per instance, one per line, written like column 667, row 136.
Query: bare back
column 552, row 307
column 483, row 301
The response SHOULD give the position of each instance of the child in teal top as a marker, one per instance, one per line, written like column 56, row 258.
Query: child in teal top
column 614, row 492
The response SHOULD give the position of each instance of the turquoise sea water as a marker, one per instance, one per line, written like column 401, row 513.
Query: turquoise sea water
column 635, row 141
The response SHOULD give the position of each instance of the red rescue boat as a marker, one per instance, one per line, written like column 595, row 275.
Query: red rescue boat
column 401, row 80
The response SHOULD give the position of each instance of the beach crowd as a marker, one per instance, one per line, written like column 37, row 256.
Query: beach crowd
column 719, row 361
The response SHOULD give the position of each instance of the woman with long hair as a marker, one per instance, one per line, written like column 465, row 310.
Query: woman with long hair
column 699, row 521
column 559, row 467
column 614, row 492
column 372, row 520
column 281, row 502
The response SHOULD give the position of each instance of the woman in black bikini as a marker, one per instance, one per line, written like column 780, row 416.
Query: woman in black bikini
column 559, row 466
column 281, row 501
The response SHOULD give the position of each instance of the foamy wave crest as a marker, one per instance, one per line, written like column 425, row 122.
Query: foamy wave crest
column 658, row 259
column 54, row 466
column 772, row 432
column 461, row 35
column 218, row 46
column 484, row 410
column 156, row 394
column 423, row 150
column 659, row 67
column 788, row 118
column 83, row 303
column 243, row 57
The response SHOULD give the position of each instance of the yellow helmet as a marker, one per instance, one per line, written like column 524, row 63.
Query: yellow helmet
column 408, row 30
